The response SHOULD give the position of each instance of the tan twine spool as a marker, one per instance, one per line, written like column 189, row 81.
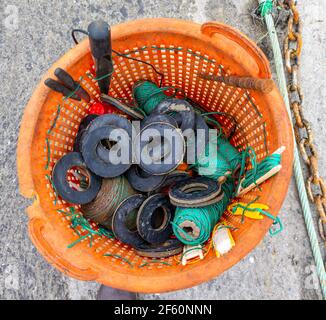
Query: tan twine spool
column 112, row 193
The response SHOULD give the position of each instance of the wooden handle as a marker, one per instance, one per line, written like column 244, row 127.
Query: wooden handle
column 262, row 85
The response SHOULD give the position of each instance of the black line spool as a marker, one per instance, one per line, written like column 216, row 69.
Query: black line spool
column 105, row 161
column 110, row 120
column 174, row 177
column 62, row 186
column 203, row 138
column 166, row 249
column 81, row 130
column 124, row 221
column 111, row 194
column 195, row 192
column 187, row 119
column 164, row 118
column 154, row 217
column 167, row 156
column 143, row 181
column 197, row 140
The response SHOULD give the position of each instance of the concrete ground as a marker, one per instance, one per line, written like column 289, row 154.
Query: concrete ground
column 35, row 33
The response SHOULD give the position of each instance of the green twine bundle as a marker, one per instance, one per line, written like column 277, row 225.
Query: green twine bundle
column 232, row 155
column 216, row 165
column 261, row 169
column 205, row 218
column 148, row 95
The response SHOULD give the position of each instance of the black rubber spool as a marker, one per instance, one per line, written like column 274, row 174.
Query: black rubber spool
column 87, row 120
column 78, row 139
column 169, row 162
column 195, row 191
column 61, row 184
column 143, row 181
column 179, row 106
column 166, row 249
column 170, row 180
column 197, row 140
column 154, row 217
column 201, row 125
column 120, row 218
column 165, row 118
column 175, row 177
column 98, row 159
column 201, row 141
column 111, row 120
column 81, row 130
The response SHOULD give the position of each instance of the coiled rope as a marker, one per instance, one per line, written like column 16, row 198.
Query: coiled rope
column 213, row 164
column 263, row 167
column 205, row 218
column 298, row 173
column 148, row 95
column 111, row 194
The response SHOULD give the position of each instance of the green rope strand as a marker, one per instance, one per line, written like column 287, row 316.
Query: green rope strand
column 77, row 220
column 73, row 92
column 265, row 7
column 155, row 261
column 262, row 168
column 117, row 256
column 48, row 148
column 48, row 153
column 216, row 164
column 144, row 48
column 253, row 105
column 100, row 78
column 189, row 250
column 148, row 95
column 276, row 220
column 54, row 189
column 224, row 114
column 55, row 119
column 249, row 152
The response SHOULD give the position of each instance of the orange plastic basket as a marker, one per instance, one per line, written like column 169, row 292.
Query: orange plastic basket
column 180, row 49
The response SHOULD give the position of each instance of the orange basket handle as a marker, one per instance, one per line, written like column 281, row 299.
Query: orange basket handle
column 36, row 228
column 211, row 27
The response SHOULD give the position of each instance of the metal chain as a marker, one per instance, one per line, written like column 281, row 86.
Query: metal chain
column 315, row 184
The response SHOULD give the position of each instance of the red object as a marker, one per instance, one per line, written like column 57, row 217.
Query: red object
column 100, row 109
column 97, row 108
column 110, row 109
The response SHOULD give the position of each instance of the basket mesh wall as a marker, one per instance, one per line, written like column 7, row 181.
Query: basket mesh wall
column 181, row 67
